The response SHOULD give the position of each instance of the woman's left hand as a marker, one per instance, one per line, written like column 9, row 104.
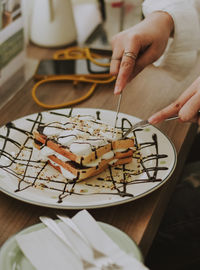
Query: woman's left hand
column 187, row 106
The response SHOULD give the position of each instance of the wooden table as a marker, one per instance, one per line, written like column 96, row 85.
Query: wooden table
column 149, row 92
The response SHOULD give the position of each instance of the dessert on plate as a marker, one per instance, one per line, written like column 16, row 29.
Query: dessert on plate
column 82, row 146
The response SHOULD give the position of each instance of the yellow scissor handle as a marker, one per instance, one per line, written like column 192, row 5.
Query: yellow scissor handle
column 80, row 53
column 74, row 78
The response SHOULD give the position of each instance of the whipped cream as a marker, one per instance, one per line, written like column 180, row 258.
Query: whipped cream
column 108, row 155
column 68, row 125
column 82, row 134
column 53, row 129
column 81, row 149
column 94, row 163
column 121, row 150
column 110, row 135
column 45, row 152
column 96, row 141
column 67, row 137
column 67, row 174
column 113, row 161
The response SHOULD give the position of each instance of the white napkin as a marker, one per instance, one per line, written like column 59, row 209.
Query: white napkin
column 46, row 251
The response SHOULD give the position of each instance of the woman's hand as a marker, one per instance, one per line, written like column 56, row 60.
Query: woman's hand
column 144, row 43
column 186, row 106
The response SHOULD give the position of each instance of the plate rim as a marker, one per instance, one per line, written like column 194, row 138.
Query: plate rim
column 96, row 206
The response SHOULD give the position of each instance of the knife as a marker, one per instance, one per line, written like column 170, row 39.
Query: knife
column 117, row 112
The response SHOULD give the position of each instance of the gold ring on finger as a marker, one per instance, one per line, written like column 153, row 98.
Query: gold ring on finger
column 132, row 55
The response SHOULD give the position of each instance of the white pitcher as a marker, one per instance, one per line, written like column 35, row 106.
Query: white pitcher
column 52, row 23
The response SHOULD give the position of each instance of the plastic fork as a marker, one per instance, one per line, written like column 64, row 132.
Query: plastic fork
column 53, row 226
column 96, row 253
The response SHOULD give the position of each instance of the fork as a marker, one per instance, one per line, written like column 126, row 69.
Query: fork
column 96, row 253
column 53, row 226
column 144, row 123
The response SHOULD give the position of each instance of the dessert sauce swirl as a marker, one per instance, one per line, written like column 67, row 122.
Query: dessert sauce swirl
column 26, row 164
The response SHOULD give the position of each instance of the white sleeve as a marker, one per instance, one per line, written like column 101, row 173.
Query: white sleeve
column 180, row 56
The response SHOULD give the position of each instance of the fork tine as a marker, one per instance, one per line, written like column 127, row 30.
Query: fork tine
column 138, row 124
column 109, row 264
column 53, row 226
column 73, row 226
column 69, row 222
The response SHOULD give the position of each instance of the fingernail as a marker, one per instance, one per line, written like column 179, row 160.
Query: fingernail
column 117, row 90
column 153, row 119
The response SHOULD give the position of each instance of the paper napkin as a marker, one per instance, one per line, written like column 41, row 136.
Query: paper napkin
column 46, row 251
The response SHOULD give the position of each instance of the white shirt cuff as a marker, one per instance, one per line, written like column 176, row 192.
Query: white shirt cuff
column 182, row 52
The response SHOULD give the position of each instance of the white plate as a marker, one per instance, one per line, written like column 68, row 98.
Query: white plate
column 11, row 256
column 22, row 182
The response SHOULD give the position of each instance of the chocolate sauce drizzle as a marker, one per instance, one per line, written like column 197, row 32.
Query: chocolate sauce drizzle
column 32, row 173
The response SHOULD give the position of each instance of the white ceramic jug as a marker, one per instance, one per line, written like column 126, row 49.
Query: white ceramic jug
column 52, row 23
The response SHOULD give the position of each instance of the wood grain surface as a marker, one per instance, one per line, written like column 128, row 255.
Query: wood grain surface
column 152, row 89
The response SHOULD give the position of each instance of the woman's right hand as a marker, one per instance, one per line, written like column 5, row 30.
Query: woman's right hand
column 144, row 43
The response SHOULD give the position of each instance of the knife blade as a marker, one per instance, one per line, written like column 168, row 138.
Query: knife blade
column 117, row 111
